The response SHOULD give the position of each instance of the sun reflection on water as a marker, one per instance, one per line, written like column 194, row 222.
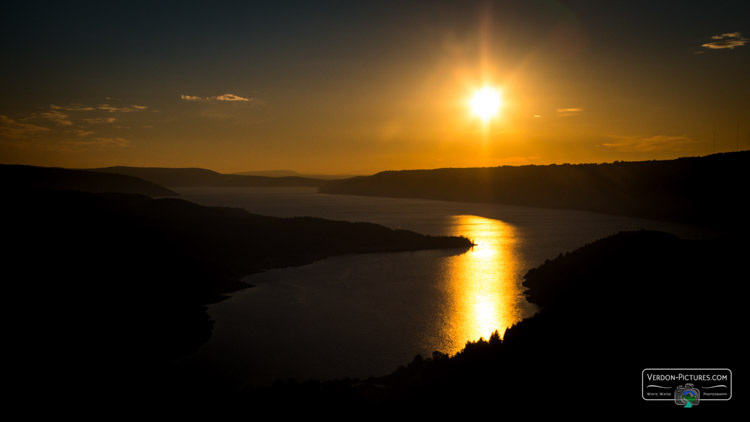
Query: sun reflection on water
column 481, row 286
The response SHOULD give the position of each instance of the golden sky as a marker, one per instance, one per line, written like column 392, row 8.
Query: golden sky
column 360, row 87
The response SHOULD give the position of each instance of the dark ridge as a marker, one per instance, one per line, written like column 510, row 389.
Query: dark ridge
column 706, row 190
column 270, row 173
column 106, row 289
column 197, row 177
column 612, row 308
column 175, row 177
column 32, row 177
column 265, row 181
column 292, row 173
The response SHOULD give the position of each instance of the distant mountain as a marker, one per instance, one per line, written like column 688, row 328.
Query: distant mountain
column 270, row 173
column 290, row 173
column 709, row 190
column 169, row 176
column 198, row 177
column 261, row 181
column 24, row 177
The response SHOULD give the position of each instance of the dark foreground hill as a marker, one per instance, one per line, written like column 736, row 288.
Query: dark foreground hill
column 32, row 177
column 198, row 177
column 610, row 309
column 707, row 190
column 101, row 290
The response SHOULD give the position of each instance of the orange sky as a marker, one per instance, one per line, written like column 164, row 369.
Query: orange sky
column 340, row 88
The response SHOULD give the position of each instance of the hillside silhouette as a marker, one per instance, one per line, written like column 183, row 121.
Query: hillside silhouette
column 705, row 190
column 106, row 289
column 611, row 308
column 198, row 177
column 13, row 177
column 287, row 173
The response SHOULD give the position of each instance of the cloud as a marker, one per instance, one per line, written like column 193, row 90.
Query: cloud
column 109, row 108
column 565, row 112
column 72, row 127
column 650, row 143
column 224, row 97
column 53, row 115
column 12, row 129
column 230, row 97
column 100, row 120
column 113, row 109
column 125, row 109
column 56, row 116
column 72, row 107
column 61, row 115
column 728, row 40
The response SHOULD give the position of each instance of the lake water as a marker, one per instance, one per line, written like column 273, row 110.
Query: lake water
column 362, row 315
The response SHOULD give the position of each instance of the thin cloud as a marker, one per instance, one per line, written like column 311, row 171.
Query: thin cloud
column 650, row 143
column 70, row 127
column 113, row 109
column 12, row 129
column 72, row 107
column 230, row 97
column 101, row 107
column 61, row 115
column 572, row 111
column 100, row 120
column 56, row 116
column 224, row 97
column 728, row 40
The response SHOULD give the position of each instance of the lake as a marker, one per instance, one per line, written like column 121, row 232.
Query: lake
column 365, row 314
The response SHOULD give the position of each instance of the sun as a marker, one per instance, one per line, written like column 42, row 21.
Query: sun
column 486, row 103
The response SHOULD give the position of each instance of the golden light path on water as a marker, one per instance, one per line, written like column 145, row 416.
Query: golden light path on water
column 482, row 286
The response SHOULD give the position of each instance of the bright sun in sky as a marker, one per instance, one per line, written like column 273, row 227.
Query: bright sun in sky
column 486, row 103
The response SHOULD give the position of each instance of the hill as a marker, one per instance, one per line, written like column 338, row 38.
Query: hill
column 610, row 309
column 31, row 177
column 707, row 190
column 292, row 173
column 198, row 177
column 106, row 289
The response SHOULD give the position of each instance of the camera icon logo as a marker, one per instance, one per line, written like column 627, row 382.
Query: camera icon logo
column 687, row 396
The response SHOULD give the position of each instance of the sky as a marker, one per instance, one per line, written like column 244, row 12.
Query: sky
column 356, row 87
